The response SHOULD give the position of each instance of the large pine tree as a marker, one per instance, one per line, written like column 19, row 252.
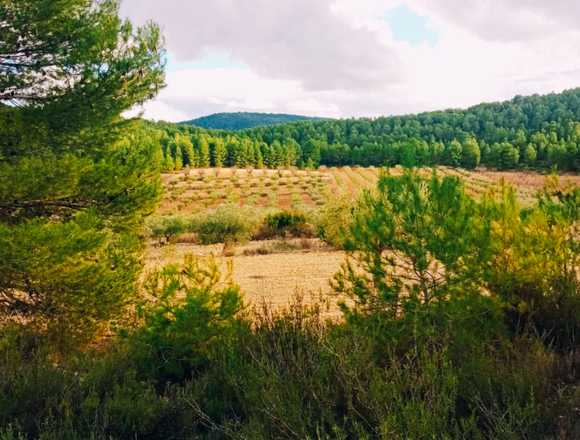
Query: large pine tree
column 75, row 177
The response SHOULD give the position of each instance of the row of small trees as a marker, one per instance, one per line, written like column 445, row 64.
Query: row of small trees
column 184, row 146
column 204, row 150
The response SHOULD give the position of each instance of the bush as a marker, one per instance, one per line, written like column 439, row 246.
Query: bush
column 166, row 229
column 284, row 224
column 189, row 314
column 96, row 395
column 333, row 220
column 534, row 268
column 226, row 224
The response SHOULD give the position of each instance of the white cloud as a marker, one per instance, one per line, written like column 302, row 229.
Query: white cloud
column 509, row 20
column 338, row 58
column 300, row 40
column 194, row 92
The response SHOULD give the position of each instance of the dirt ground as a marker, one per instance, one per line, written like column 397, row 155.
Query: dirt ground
column 274, row 278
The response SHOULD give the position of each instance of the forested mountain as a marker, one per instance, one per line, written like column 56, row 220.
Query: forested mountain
column 240, row 121
column 535, row 132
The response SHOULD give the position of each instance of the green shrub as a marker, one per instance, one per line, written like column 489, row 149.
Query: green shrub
column 226, row 224
column 534, row 268
column 414, row 241
column 166, row 229
column 97, row 396
column 285, row 224
column 193, row 309
column 333, row 220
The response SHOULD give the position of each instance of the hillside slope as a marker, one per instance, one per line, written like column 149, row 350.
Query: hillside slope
column 240, row 121
column 537, row 132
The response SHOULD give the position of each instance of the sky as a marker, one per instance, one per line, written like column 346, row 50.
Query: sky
column 357, row 58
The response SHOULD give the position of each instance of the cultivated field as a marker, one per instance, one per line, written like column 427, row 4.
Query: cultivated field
column 191, row 191
column 272, row 271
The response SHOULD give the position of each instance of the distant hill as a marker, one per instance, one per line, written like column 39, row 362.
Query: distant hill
column 240, row 121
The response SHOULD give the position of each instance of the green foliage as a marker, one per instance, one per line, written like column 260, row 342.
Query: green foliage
column 101, row 399
column 75, row 179
column 452, row 153
column 226, row 224
column 438, row 361
column 290, row 374
column 78, row 68
column 471, row 154
column 501, row 132
column 530, row 155
column 168, row 228
column 203, row 160
column 67, row 279
column 507, row 156
column 189, row 314
column 417, row 242
column 240, row 121
column 542, row 287
column 188, row 156
column 426, row 229
column 284, row 224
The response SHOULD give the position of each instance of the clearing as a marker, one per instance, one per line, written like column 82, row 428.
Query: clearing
column 274, row 271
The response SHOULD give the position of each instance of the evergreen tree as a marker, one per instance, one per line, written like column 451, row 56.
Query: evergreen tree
column 187, row 152
column 508, row 156
column 419, row 221
column 408, row 157
column 178, row 158
column 470, row 155
column 168, row 162
column 452, row 153
column 530, row 155
column 203, row 160
column 75, row 178
column 218, row 153
column 311, row 152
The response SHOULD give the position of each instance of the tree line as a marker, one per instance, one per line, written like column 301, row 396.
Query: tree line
column 532, row 132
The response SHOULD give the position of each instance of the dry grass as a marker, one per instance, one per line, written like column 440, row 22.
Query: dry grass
column 275, row 277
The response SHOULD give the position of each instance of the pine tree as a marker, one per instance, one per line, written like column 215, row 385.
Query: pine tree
column 530, row 155
column 168, row 162
column 452, row 153
column 187, row 151
column 508, row 156
column 218, row 153
column 75, row 178
column 470, row 155
column 178, row 158
column 203, row 160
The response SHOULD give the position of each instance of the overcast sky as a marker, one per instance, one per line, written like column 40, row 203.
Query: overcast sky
column 343, row 58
